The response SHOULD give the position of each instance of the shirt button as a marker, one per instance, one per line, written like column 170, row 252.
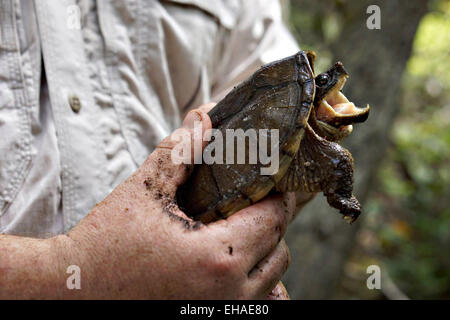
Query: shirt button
column 75, row 103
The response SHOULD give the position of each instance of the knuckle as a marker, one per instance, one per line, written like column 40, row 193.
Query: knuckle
column 280, row 224
column 221, row 265
column 277, row 214
column 286, row 256
column 288, row 259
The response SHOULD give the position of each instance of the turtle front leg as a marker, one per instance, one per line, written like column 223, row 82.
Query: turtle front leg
column 321, row 165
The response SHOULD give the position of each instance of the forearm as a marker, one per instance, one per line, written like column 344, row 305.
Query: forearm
column 33, row 268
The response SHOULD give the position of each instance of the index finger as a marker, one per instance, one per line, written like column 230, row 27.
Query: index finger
column 255, row 231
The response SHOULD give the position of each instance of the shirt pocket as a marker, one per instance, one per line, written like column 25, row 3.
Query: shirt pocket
column 15, row 144
column 193, row 44
column 225, row 12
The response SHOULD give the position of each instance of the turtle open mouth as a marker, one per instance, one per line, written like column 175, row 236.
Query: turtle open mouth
column 336, row 110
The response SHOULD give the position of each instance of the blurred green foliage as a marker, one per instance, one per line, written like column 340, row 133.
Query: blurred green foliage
column 410, row 209
column 407, row 223
column 432, row 45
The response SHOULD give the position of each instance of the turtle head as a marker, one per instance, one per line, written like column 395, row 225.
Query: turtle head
column 334, row 113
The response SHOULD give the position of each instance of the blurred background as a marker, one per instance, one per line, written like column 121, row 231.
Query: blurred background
column 402, row 153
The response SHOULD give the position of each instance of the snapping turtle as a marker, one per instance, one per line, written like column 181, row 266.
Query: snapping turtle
column 311, row 115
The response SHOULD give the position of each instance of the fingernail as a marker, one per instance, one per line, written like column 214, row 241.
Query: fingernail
column 191, row 118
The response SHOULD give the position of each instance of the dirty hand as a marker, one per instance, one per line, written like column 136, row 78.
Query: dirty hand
column 138, row 244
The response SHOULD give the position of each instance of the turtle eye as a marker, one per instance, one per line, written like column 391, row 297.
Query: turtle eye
column 322, row 79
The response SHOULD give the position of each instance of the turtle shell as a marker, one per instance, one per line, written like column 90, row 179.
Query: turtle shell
column 279, row 96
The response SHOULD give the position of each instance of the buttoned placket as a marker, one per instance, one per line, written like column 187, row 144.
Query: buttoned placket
column 73, row 108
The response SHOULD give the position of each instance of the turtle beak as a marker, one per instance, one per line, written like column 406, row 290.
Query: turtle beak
column 336, row 110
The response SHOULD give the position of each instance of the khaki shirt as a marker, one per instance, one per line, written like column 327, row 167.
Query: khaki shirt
column 89, row 88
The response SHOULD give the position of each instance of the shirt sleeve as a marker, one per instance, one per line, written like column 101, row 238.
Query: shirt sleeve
column 258, row 37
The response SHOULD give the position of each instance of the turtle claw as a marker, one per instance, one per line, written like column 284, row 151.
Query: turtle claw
column 350, row 209
column 350, row 218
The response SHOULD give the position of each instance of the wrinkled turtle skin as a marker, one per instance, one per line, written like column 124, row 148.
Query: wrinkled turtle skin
column 312, row 116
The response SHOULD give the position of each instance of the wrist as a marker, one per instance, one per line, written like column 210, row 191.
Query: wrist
column 91, row 248
column 71, row 268
column 60, row 256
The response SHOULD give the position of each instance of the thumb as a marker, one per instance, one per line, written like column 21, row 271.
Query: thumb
column 170, row 164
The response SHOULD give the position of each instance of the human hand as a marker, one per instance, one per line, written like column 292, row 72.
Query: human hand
column 138, row 244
